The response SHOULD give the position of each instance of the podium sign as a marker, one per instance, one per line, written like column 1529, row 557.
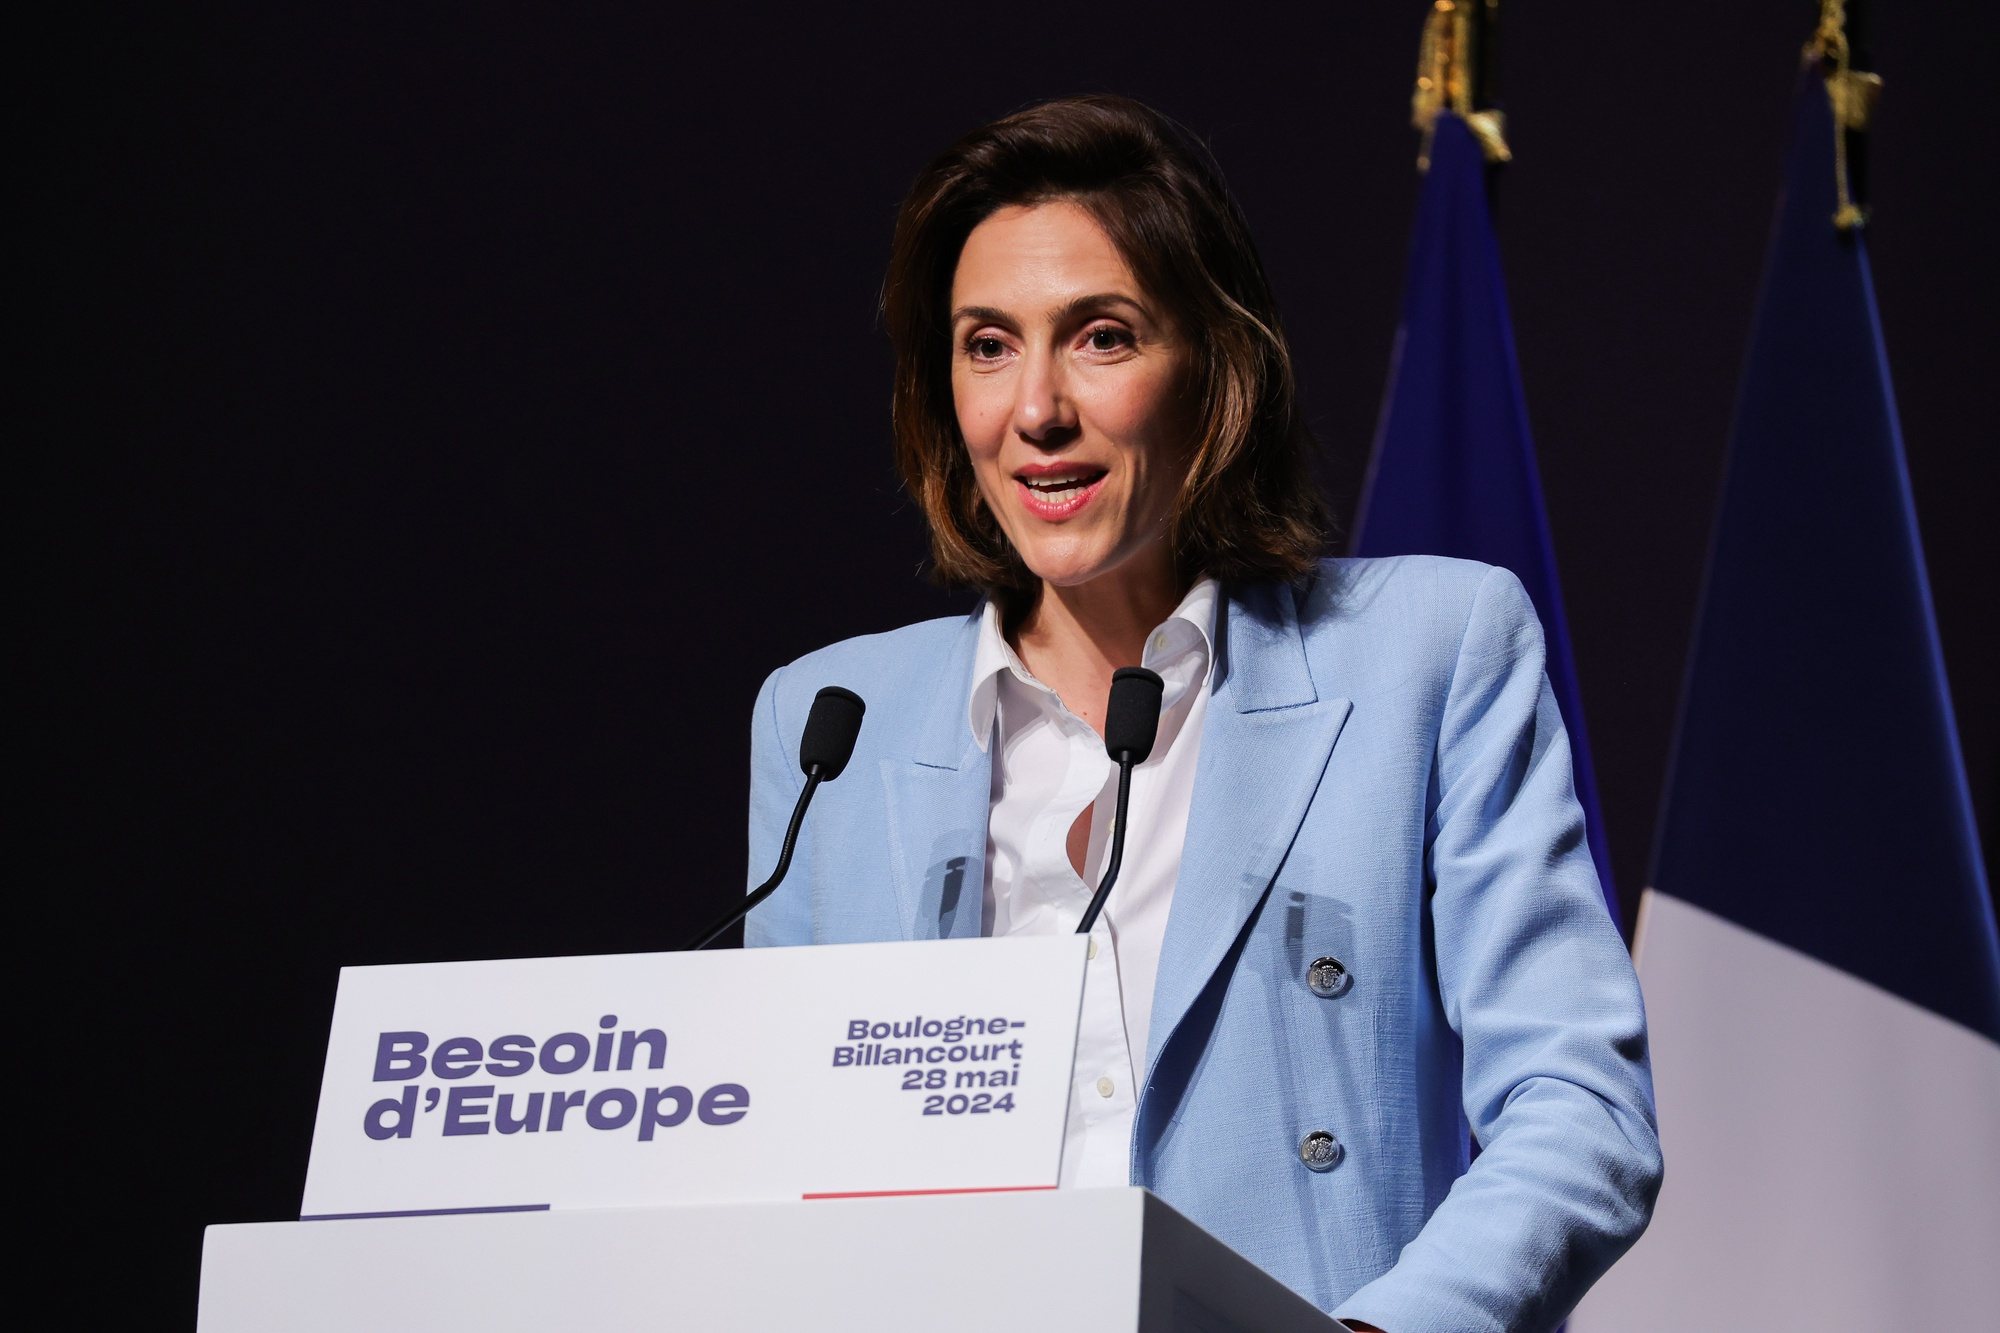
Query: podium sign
column 733, row 1076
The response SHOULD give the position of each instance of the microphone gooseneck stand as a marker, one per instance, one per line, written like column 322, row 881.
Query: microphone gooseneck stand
column 1131, row 722
column 824, row 749
column 814, row 776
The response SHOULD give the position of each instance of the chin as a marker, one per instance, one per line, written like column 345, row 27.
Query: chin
column 1067, row 569
column 1066, row 579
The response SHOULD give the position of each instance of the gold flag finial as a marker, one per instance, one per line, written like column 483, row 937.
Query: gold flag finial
column 1445, row 81
column 1851, row 93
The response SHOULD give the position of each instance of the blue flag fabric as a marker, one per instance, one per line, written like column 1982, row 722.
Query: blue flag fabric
column 1817, row 794
column 1453, row 471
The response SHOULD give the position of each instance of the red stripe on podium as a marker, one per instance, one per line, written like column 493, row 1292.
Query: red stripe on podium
column 898, row 1194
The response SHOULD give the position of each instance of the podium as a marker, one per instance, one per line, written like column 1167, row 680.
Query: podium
column 653, row 1141
column 1098, row 1259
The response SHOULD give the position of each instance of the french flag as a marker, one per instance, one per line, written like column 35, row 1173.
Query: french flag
column 1817, row 945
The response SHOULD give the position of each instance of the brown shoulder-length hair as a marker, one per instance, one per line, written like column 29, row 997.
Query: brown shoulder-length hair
column 1249, row 508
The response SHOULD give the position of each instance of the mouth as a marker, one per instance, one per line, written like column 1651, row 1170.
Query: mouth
column 1058, row 492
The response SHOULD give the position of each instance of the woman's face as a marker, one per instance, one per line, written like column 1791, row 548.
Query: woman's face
column 1067, row 380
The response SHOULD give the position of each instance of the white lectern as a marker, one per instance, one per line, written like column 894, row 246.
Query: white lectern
column 675, row 1141
column 1104, row 1260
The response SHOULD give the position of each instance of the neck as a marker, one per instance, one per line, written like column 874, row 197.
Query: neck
column 1094, row 621
column 1073, row 638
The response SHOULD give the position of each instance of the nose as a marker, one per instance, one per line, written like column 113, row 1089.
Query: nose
column 1044, row 414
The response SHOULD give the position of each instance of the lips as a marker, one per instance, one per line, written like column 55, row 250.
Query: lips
column 1058, row 491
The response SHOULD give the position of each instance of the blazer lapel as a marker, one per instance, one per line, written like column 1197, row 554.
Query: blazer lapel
column 1265, row 743
column 936, row 798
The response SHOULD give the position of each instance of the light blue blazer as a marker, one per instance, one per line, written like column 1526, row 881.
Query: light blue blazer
column 1384, row 779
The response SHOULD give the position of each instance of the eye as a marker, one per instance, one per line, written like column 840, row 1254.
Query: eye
column 1108, row 338
column 985, row 347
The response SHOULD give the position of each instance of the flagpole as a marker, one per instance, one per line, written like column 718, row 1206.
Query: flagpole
column 1485, row 18
column 1485, row 22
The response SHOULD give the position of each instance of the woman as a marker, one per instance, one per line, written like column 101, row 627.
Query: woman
column 1357, row 917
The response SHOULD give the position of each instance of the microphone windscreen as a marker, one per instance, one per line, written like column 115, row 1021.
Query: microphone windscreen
column 831, row 726
column 1132, row 717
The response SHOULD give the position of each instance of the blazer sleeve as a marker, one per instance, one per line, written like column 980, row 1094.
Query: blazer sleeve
column 1534, row 978
column 775, row 782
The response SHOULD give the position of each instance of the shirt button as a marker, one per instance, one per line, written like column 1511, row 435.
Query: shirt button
column 1320, row 1151
column 1159, row 642
column 1093, row 946
column 1105, row 1087
column 1327, row 977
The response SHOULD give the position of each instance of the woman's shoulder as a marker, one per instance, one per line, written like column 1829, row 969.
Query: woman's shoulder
column 1400, row 612
column 1379, row 591
column 895, row 663
column 906, row 646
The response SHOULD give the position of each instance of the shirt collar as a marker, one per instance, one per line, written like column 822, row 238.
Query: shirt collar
column 1190, row 629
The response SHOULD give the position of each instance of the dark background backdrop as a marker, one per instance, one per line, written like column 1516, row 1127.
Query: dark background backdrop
column 441, row 419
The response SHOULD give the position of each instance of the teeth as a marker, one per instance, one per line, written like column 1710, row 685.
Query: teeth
column 1052, row 484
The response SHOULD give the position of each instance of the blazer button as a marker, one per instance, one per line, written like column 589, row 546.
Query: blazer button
column 1320, row 1151
column 1327, row 977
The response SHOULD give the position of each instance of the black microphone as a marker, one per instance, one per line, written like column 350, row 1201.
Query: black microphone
column 828, row 743
column 1131, row 722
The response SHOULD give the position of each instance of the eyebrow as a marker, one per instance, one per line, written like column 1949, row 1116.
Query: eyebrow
column 1067, row 310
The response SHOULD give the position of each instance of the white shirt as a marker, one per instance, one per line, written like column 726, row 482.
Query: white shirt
column 1048, row 767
